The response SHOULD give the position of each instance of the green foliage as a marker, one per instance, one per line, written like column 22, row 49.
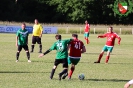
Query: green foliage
column 62, row 11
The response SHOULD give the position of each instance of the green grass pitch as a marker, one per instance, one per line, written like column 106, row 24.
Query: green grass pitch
column 36, row 74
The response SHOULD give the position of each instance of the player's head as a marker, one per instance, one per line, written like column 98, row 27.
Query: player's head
column 23, row 26
column 36, row 21
column 75, row 36
column 58, row 37
column 86, row 22
column 110, row 29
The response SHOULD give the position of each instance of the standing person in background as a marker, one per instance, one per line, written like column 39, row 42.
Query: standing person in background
column 111, row 36
column 22, row 41
column 76, row 47
column 128, row 84
column 37, row 35
column 87, row 32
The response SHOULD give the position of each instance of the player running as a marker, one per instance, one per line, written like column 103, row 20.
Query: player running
column 87, row 32
column 111, row 36
column 76, row 47
column 61, row 46
column 22, row 41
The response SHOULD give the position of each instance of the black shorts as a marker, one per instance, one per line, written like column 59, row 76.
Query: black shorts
column 23, row 46
column 36, row 39
column 63, row 61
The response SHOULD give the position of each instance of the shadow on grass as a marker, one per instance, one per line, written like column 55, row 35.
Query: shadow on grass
column 20, row 72
column 100, row 80
column 111, row 80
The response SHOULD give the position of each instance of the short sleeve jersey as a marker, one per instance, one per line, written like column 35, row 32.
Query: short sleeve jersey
column 111, row 38
column 75, row 48
column 87, row 28
column 37, row 29
column 61, row 46
column 22, row 36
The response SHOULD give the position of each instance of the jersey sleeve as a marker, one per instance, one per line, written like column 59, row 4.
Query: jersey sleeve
column 53, row 47
column 41, row 28
column 68, row 40
column 17, row 34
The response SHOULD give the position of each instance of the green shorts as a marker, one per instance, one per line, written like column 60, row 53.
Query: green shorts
column 86, row 34
column 107, row 48
column 73, row 60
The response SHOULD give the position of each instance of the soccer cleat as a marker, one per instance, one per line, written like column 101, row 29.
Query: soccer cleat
column 97, row 62
column 69, row 78
column 31, row 51
column 29, row 60
column 16, row 60
column 65, row 75
column 60, row 76
column 40, row 52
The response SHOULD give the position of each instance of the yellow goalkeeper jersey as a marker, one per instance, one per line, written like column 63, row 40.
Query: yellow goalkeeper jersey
column 37, row 29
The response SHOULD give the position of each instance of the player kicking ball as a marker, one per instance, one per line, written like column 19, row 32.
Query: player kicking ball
column 111, row 36
column 61, row 46
column 76, row 47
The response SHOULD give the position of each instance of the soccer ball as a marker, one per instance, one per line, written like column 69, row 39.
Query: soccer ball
column 81, row 76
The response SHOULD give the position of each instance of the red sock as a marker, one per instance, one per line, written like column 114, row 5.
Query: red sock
column 107, row 59
column 87, row 41
column 71, row 72
column 100, row 56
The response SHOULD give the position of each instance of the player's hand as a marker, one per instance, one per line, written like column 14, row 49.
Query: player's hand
column 41, row 55
column 97, row 36
column 118, row 43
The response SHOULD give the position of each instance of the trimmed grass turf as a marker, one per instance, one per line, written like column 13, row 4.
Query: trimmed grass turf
column 36, row 74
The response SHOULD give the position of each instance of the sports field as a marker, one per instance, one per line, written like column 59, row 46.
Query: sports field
column 36, row 74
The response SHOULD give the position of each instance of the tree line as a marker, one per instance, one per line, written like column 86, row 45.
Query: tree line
column 62, row 11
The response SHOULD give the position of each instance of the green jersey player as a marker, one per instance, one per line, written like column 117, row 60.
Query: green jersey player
column 61, row 46
column 22, row 41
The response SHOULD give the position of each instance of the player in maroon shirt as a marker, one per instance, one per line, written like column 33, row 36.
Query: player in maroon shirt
column 76, row 47
column 111, row 36
column 86, row 32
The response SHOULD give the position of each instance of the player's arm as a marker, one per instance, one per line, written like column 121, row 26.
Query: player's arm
column 119, row 39
column 41, row 28
column 46, row 52
column 88, row 28
column 16, row 40
column 127, row 85
column 101, row 36
column 83, row 49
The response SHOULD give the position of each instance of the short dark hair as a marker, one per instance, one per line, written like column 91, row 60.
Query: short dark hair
column 58, row 36
column 111, row 27
column 75, row 35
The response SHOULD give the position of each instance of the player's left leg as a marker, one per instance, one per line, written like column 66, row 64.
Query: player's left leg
column 40, row 44
column 108, row 54
column 27, row 52
column 65, row 68
column 74, row 62
column 87, row 38
column 18, row 52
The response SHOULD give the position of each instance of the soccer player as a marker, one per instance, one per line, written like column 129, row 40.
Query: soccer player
column 111, row 36
column 86, row 32
column 22, row 41
column 61, row 46
column 128, row 84
column 76, row 47
column 36, row 36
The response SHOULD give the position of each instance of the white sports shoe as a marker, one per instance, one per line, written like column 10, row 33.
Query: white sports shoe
column 16, row 60
column 29, row 60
